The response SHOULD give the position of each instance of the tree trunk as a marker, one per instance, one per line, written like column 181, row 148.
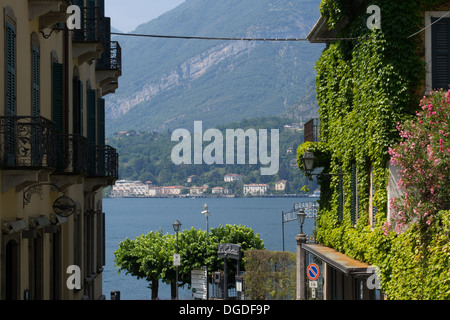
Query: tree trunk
column 155, row 287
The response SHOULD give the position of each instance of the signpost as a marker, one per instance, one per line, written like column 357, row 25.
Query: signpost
column 313, row 272
column 176, row 260
column 199, row 282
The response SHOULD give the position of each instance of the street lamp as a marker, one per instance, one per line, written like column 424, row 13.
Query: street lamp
column 301, row 257
column 308, row 161
column 301, row 216
column 207, row 214
column 177, row 228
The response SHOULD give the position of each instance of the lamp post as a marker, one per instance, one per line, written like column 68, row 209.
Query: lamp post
column 207, row 214
column 176, row 228
column 301, row 258
column 301, row 216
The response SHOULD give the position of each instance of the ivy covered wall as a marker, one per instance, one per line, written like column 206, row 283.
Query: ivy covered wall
column 365, row 87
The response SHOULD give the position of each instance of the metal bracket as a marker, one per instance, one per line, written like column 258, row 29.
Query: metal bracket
column 37, row 188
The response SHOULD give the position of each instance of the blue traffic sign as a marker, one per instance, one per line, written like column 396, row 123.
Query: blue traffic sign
column 313, row 272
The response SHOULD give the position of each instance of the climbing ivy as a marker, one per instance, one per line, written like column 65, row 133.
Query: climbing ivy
column 366, row 87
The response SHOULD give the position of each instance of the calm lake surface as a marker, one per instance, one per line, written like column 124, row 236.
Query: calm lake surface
column 130, row 218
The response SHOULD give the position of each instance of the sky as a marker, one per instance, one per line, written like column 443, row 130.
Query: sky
column 136, row 12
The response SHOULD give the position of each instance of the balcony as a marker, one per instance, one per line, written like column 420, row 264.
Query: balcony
column 72, row 153
column 49, row 12
column 103, row 163
column 27, row 143
column 90, row 41
column 109, row 67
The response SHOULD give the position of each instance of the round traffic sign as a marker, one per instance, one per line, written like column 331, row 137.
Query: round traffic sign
column 313, row 272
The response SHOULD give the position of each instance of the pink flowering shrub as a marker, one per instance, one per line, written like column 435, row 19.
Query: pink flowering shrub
column 423, row 159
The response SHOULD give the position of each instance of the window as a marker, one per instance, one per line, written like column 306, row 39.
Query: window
column 437, row 50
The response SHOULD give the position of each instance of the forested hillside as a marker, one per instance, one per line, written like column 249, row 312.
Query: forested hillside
column 147, row 157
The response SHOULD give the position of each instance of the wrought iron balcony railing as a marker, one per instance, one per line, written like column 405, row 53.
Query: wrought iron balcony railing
column 95, row 26
column 72, row 153
column 111, row 58
column 27, row 143
column 103, row 162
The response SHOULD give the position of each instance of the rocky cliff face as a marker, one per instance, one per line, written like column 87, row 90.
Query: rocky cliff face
column 188, row 71
column 169, row 84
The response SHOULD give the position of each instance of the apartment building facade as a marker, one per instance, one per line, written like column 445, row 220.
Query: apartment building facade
column 53, row 159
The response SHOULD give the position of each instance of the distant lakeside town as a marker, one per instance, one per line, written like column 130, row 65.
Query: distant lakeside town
column 139, row 189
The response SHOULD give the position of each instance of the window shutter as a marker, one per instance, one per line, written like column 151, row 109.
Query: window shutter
column 441, row 53
column 10, row 96
column 353, row 205
column 77, row 107
column 91, row 131
column 341, row 199
column 10, row 46
column 36, row 110
column 101, row 122
column 91, row 16
column 58, row 97
column 58, row 113
column 81, row 108
column 92, row 117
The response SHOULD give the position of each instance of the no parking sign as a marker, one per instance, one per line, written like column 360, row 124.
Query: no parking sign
column 313, row 272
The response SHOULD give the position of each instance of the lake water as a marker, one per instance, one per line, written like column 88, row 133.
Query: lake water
column 130, row 218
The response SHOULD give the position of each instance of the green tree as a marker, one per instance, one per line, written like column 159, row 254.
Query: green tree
column 150, row 256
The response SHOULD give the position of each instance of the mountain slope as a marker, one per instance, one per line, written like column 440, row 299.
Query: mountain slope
column 170, row 83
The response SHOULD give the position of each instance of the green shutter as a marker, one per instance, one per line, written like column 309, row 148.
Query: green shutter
column 441, row 53
column 101, row 157
column 58, row 112
column 92, row 131
column 92, row 117
column 36, row 150
column 10, row 96
column 77, row 107
column 58, row 97
column 341, row 199
column 10, row 58
column 353, row 195
column 81, row 109
column 101, row 122
column 36, row 109
column 91, row 23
